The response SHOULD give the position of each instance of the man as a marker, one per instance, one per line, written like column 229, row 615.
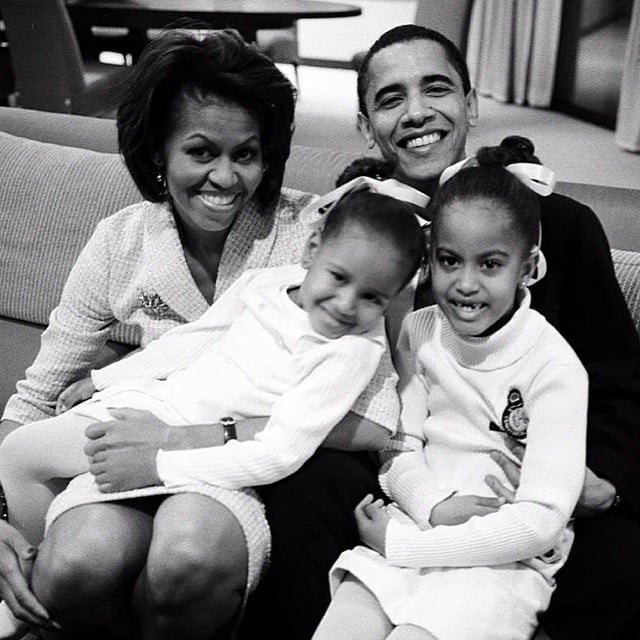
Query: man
column 417, row 105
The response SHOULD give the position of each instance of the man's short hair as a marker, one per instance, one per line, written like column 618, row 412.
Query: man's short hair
column 407, row 33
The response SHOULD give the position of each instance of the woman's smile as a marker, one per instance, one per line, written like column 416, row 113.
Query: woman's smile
column 213, row 171
column 216, row 201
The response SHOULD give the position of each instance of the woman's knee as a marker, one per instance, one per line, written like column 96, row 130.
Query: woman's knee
column 87, row 554
column 69, row 570
column 186, row 564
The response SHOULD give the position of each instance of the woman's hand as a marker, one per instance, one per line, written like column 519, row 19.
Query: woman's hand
column 458, row 509
column 372, row 520
column 74, row 394
column 122, row 453
column 16, row 561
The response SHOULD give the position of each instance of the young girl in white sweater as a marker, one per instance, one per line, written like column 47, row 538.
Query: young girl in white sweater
column 448, row 559
column 297, row 343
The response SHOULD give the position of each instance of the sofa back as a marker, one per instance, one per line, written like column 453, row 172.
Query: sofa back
column 60, row 175
column 315, row 169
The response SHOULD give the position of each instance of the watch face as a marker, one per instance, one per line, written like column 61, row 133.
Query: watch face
column 4, row 511
column 228, row 429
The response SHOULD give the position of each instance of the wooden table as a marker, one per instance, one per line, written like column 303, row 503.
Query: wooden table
column 247, row 16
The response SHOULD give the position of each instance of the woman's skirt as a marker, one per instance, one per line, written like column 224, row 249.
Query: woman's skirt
column 244, row 504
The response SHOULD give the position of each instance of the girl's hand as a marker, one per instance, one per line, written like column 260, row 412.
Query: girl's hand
column 372, row 520
column 74, row 394
column 458, row 509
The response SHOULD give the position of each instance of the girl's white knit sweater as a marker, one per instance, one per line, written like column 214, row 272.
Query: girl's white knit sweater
column 253, row 353
column 460, row 396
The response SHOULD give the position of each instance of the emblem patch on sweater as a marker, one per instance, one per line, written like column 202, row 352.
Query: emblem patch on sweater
column 515, row 419
column 155, row 307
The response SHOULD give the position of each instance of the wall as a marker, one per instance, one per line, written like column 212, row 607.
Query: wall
column 338, row 39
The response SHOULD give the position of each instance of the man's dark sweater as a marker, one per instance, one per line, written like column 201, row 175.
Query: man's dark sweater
column 581, row 297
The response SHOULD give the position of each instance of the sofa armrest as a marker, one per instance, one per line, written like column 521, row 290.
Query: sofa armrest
column 627, row 266
column 97, row 134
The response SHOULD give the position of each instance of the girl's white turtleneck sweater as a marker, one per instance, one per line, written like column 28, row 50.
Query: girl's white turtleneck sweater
column 460, row 395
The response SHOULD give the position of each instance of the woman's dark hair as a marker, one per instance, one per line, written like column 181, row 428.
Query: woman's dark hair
column 370, row 167
column 491, row 180
column 390, row 218
column 178, row 65
column 408, row 33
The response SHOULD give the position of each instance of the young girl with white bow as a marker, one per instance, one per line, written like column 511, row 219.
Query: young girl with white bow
column 447, row 559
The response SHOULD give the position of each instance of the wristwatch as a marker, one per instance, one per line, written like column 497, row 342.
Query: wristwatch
column 4, row 509
column 228, row 429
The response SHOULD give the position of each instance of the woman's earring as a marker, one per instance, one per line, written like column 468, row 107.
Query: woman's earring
column 162, row 181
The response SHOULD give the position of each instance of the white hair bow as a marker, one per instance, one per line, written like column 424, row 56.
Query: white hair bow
column 537, row 177
column 315, row 212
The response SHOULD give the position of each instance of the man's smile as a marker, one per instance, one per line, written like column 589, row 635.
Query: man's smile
column 419, row 142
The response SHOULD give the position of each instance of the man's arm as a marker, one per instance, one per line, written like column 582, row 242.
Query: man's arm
column 129, row 444
column 355, row 433
column 598, row 495
column 352, row 433
column 593, row 316
column 611, row 355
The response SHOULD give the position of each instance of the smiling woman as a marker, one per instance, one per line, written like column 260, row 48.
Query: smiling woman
column 205, row 130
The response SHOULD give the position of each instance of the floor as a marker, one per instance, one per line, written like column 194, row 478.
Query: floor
column 576, row 150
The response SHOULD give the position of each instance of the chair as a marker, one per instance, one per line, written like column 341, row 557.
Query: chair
column 127, row 42
column 281, row 45
column 7, row 84
column 449, row 17
column 49, row 72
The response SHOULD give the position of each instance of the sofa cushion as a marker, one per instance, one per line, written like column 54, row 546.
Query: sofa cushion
column 314, row 169
column 51, row 198
column 627, row 266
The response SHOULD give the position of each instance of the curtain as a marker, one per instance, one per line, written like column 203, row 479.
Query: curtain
column 512, row 49
column 628, row 125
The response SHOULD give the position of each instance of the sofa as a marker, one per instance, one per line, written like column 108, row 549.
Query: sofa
column 60, row 174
